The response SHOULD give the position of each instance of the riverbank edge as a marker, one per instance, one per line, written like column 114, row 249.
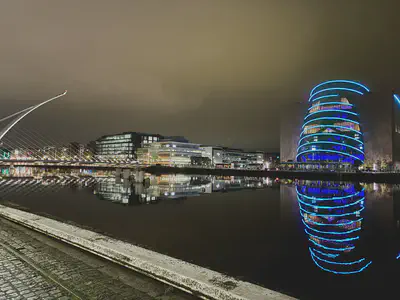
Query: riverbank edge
column 306, row 175
column 188, row 277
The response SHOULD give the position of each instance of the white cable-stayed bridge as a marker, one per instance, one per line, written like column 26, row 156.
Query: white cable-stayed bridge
column 29, row 148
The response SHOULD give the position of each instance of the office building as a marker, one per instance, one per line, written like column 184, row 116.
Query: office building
column 331, row 131
column 343, row 125
column 271, row 159
column 223, row 157
column 5, row 153
column 123, row 146
column 169, row 153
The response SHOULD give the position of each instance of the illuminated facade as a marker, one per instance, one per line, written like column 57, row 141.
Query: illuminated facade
column 343, row 124
column 113, row 191
column 169, row 153
column 223, row 157
column 332, row 131
column 332, row 215
column 123, row 146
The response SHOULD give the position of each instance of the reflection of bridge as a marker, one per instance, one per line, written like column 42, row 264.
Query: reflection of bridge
column 65, row 163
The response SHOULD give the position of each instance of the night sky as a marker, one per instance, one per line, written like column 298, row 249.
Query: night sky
column 217, row 72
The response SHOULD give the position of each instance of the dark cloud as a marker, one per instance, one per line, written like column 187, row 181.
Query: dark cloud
column 215, row 71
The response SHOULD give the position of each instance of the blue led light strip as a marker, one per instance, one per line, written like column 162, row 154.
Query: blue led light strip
column 326, row 96
column 327, row 142
column 398, row 256
column 397, row 98
column 326, row 254
column 335, row 89
column 338, row 272
column 330, row 118
column 330, row 207
column 329, row 134
column 330, row 198
column 333, row 151
column 331, row 232
column 334, row 262
column 331, row 126
column 332, row 249
column 332, row 215
column 330, row 110
column 332, row 240
column 327, row 199
column 336, row 224
column 332, row 103
column 339, row 81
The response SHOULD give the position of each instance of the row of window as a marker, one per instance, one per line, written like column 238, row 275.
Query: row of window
column 118, row 137
column 329, row 107
column 150, row 138
column 114, row 142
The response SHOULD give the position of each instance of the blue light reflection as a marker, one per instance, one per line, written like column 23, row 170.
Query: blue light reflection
column 331, row 216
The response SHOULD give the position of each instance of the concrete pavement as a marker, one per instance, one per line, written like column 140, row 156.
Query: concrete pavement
column 34, row 266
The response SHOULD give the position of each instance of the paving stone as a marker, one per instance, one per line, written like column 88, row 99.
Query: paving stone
column 20, row 251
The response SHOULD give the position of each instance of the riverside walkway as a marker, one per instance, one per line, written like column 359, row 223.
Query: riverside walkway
column 34, row 266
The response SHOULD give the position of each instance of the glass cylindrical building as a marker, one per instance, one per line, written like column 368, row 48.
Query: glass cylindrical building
column 331, row 130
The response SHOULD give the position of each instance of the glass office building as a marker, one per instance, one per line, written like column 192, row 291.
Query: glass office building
column 169, row 153
column 331, row 130
column 123, row 146
column 343, row 124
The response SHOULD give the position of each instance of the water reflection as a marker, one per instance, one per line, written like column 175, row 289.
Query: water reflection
column 157, row 188
column 107, row 185
column 332, row 214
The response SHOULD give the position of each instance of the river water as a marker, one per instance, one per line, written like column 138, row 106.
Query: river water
column 307, row 239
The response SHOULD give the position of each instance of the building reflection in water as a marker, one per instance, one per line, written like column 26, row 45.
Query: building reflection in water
column 106, row 185
column 332, row 215
column 157, row 188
